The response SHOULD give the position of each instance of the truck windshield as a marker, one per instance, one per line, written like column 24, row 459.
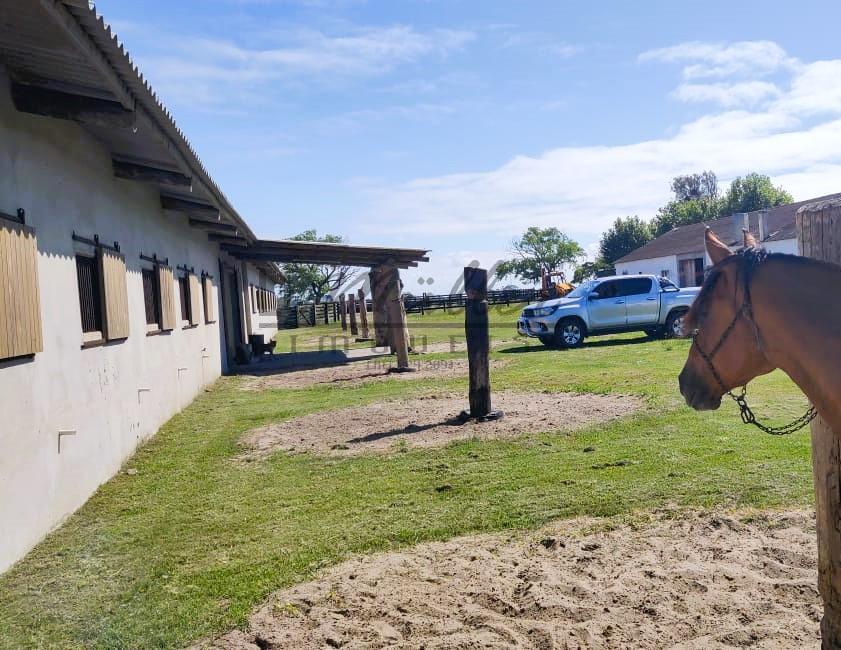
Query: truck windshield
column 581, row 290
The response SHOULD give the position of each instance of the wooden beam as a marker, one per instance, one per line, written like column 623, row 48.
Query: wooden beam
column 133, row 171
column 312, row 258
column 351, row 308
column 343, row 311
column 398, row 332
column 378, row 311
column 66, row 106
column 177, row 204
column 219, row 226
column 363, row 314
column 478, row 340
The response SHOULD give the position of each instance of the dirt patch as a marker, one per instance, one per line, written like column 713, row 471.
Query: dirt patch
column 700, row 580
column 431, row 421
column 361, row 372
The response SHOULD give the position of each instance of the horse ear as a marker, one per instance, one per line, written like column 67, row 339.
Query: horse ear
column 716, row 249
column 750, row 240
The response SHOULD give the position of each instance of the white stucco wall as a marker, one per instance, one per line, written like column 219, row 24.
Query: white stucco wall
column 653, row 266
column 63, row 179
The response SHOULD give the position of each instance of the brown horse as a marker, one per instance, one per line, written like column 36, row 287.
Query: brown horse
column 757, row 312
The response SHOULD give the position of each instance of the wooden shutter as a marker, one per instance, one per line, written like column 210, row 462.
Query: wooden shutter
column 195, row 299
column 166, row 283
column 209, row 315
column 20, row 308
column 112, row 273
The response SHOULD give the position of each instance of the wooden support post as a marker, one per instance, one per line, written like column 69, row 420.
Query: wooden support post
column 363, row 314
column 818, row 233
column 343, row 312
column 478, row 340
column 379, row 312
column 396, row 317
column 351, row 308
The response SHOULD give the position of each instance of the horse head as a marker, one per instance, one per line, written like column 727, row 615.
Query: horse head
column 726, row 351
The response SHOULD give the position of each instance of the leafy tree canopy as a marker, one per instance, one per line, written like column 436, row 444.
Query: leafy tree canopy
column 314, row 281
column 624, row 236
column 540, row 249
column 753, row 192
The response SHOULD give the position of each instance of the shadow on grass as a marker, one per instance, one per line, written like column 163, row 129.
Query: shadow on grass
column 599, row 343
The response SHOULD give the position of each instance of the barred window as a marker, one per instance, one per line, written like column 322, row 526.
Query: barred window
column 90, row 300
column 151, row 297
column 184, row 295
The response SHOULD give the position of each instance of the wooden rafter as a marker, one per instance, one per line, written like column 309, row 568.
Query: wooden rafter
column 135, row 171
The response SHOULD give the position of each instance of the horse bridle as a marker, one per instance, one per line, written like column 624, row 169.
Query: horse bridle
column 747, row 415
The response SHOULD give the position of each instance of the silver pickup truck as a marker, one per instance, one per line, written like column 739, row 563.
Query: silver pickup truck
column 619, row 303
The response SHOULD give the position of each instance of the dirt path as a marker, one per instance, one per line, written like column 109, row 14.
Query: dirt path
column 683, row 580
column 361, row 372
column 430, row 421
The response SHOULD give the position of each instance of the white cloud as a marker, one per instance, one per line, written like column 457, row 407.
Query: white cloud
column 199, row 69
column 728, row 95
column 707, row 60
column 582, row 189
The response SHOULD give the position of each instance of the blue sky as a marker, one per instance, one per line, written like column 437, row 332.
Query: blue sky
column 455, row 124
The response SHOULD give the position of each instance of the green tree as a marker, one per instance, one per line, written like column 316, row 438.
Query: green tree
column 695, row 186
column 590, row 270
column 538, row 250
column 680, row 213
column 624, row 236
column 753, row 192
column 314, row 281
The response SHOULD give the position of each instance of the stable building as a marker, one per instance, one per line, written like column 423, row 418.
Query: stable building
column 128, row 282
column 680, row 256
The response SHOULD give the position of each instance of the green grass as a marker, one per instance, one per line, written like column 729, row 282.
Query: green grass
column 188, row 545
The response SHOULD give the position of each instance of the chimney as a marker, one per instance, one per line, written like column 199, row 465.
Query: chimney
column 740, row 220
column 763, row 225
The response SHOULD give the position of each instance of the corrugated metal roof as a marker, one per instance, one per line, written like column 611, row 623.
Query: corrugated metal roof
column 65, row 45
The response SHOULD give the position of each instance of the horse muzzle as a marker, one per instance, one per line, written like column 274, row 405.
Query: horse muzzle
column 697, row 394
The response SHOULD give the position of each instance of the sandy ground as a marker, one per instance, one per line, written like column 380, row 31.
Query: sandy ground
column 682, row 580
column 430, row 421
column 361, row 372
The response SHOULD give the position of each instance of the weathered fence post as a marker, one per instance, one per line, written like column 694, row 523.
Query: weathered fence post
column 478, row 340
column 396, row 317
column 818, row 236
column 363, row 313
column 343, row 312
column 378, row 306
column 351, row 309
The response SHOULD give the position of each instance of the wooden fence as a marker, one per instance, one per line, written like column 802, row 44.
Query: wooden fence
column 420, row 304
column 310, row 315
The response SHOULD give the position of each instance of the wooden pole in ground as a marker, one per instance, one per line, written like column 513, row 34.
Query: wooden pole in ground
column 396, row 317
column 351, row 309
column 478, row 340
column 363, row 313
column 378, row 307
column 343, row 312
column 818, row 233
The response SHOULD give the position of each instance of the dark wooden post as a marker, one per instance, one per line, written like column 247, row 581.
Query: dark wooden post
column 396, row 317
column 478, row 340
column 378, row 306
column 343, row 312
column 363, row 313
column 351, row 309
column 818, row 233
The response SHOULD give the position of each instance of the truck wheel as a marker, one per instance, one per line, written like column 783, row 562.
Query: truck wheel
column 674, row 324
column 569, row 333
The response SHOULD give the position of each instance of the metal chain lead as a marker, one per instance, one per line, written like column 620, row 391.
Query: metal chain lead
column 749, row 418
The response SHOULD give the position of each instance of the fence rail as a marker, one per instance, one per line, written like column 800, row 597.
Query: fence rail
column 420, row 304
column 310, row 315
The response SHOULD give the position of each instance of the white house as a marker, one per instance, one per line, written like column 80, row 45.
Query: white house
column 679, row 254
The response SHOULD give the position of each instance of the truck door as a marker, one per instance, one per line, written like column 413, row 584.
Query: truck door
column 606, row 307
column 642, row 300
